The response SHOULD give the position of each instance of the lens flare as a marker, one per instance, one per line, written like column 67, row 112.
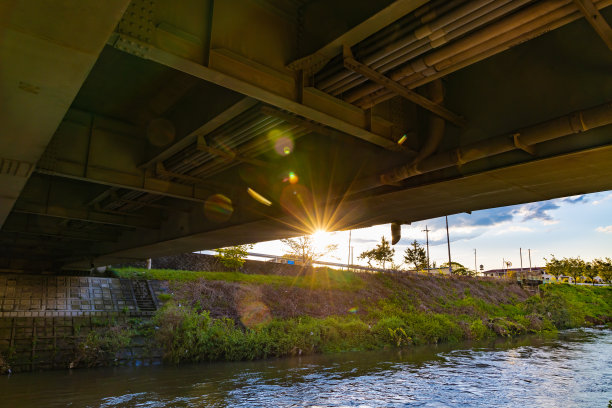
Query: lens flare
column 353, row 309
column 283, row 146
column 253, row 312
column 258, row 197
column 160, row 132
column 218, row 208
column 292, row 178
column 402, row 139
column 282, row 142
column 297, row 201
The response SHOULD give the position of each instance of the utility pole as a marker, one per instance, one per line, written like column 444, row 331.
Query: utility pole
column 529, row 250
column 348, row 261
column 521, row 255
column 475, row 267
column 450, row 268
column 427, row 237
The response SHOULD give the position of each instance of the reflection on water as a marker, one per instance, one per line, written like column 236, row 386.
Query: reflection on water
column 572, row 370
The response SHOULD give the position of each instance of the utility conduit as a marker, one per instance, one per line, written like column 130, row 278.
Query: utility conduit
column 420, row 36
column 572, row 123
column 424, row 66
column 533, row 29
column 388, row 59
column 422, row 15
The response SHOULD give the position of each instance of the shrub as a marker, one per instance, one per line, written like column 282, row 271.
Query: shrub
column 4, row 366
column 233, row 257
column 100, row 345
column 478, row 330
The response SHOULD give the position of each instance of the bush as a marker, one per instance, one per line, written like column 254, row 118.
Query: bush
column 4, row 366
column 101, row 345
column 408, row 313
column 233, row 257
column 478, row 330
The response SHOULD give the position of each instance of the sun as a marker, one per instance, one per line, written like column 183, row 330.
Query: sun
column 319, row 235
column 322, row 238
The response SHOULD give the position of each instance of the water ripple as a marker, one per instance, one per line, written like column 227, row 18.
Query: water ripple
column 574, row 370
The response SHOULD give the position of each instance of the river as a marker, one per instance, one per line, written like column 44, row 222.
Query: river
column 573, row 369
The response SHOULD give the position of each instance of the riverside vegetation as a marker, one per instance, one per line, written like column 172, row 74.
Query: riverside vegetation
column 211, row 316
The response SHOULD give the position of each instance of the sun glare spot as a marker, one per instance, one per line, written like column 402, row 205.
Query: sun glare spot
column 321, row 239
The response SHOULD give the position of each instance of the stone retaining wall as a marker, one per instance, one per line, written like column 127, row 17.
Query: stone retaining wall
column 204, row 262
column 43, row 343
column 60, row 296
column 44, row 319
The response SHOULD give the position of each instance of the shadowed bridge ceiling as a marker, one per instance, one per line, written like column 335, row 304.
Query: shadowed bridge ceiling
column 148, row 128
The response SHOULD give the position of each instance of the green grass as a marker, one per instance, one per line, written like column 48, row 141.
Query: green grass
column 322, row 278
column 579, row 305
column 188, row 335
column 400, row 320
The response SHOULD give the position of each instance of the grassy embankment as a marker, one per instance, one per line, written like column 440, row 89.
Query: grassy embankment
column 235, row 316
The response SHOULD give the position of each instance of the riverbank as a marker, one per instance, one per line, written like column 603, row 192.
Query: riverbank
column 234, row 316
column 570, row 369
column 210, row 316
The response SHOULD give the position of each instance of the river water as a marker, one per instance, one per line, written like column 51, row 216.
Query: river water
column 573, row 369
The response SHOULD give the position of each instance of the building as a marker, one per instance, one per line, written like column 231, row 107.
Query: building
column 533, row 273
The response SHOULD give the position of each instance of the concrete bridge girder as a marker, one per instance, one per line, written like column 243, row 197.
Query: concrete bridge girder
column 48, row 65
column 217, row 78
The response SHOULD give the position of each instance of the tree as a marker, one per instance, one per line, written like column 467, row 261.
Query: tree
column 304, row 249
column 574, row 267
column 458, row 269
column 233, row 257
column 604, row 269
column 554, row 267
column 381, row 254
column 590, row 271
column 415, row 254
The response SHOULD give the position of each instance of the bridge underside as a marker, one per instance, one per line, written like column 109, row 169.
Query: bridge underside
column 147, row 128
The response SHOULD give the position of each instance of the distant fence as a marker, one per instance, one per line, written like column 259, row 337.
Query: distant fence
column 325, row 263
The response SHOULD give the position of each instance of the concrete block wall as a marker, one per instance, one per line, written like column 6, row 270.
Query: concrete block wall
column 42, row 343
column 55, row 296
column 204, row 262
column 44, row 318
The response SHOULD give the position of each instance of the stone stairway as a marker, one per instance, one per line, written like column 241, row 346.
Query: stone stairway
column 143, row 296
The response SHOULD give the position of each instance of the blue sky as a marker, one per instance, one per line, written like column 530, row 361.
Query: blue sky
column 570, row 226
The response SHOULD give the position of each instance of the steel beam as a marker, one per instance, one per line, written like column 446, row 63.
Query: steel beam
column 29, row 224
column 396, row 10
column 536, row 180
column 107, row 157
column 86, row 215
column 352, row 64
column 594, row 17
column 257, row 81
column 115, row 197
column 18, row 240
column 311, row 126
column 229, row 154
column 219, row 120
column 161, row 171
column 141, row 183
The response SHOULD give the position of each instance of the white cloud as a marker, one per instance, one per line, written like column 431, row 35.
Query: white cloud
column 606, row 230
column 515, row 228
column 603, row 199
